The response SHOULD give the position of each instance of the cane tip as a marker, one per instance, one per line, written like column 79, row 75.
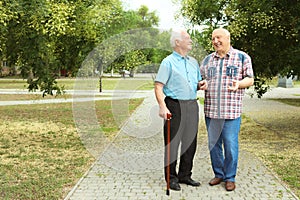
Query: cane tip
column 168, row 192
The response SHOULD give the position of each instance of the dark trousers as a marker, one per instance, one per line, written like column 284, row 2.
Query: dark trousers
column 184, row 129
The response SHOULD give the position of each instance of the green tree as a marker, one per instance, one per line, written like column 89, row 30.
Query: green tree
column 205, row 12
column 131, row 58
column 267, row 30
column 30, row 39
column 58, row 35
column 147, row 19
column 96, row 21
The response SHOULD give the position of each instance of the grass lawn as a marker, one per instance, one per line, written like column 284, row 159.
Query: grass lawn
column 41, row 153
column 292, row 102
column 107, row 84
column 20, row 97
column 68, row 83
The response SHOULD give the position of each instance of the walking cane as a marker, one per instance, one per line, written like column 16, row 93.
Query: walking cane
column 168, row 152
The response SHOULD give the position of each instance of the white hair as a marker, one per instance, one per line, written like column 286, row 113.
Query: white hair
column 225, row 31
column 176, row 35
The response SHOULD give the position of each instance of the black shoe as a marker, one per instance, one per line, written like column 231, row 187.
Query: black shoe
column 190, row 181
column 174, row 186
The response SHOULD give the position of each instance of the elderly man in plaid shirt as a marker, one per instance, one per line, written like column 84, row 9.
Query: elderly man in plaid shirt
column 227, row 72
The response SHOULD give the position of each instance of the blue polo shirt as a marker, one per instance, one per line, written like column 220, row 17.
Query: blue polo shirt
column 180, row 76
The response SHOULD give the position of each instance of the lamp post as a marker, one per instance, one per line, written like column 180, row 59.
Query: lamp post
column 100, row 83
column 100, row 73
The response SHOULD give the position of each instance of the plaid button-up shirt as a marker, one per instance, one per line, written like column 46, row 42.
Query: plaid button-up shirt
column 221, row 103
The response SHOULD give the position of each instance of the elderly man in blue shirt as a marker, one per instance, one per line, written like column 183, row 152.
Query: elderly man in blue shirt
column 176, row 85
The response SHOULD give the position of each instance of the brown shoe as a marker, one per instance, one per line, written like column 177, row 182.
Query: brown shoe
column 230, row 186
column 215, row 181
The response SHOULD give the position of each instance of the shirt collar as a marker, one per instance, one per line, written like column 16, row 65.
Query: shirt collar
column 228, row 53
column 179, row 57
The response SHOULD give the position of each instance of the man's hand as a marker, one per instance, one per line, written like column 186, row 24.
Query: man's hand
column 235, row 86
column 202, row 85
column 163, row 111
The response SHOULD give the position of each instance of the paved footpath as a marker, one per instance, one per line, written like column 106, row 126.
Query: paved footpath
column 131, row 167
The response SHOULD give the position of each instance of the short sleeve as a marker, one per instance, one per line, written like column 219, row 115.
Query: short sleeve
column 163, row 73
column 248, row 70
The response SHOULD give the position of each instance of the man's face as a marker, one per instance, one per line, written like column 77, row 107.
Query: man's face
column 186, row 42
column 220, row 41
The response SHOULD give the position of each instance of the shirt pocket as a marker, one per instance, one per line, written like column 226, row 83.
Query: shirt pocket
column 232, row 71
column 211, row 72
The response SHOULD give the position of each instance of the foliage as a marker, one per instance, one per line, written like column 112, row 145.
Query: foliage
column 59, row 35
column 260, row 86
column 205, row 12
column 129, row 50
column 147, row 19
column 130, row 54
column 267, row 30
column 270, row 34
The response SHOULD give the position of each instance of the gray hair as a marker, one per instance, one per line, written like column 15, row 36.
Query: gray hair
column 176, row 35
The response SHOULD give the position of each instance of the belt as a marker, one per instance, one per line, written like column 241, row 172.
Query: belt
column 179, row 100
